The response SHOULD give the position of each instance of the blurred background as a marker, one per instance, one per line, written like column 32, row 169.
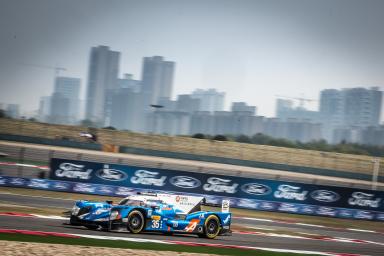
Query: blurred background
column 305, row 74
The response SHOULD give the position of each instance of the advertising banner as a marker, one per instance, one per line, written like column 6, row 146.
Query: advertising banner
column 110, row 190
column 250, row 193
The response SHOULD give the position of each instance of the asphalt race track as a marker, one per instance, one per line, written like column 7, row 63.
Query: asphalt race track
column 375, row 246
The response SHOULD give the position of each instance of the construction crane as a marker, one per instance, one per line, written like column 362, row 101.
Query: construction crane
column 56, row 68
column 300, row 99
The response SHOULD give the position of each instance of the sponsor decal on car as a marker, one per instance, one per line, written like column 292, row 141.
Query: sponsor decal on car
column 325, row 196
column 291, row 192
column 145, row 177
column 111, row 174
column 74, row 171
column 185, row 182
column 256, row 189
column 364, row 199
column 216, row 184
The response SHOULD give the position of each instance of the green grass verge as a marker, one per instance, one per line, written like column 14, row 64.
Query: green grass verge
column 137, row 245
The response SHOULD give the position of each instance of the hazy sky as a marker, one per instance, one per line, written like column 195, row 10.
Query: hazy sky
column 252, row 50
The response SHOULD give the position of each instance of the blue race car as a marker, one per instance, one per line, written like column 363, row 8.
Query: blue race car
column 164, row 213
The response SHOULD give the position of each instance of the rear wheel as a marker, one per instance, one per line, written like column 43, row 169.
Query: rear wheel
column 211, row 227
column 135, row 221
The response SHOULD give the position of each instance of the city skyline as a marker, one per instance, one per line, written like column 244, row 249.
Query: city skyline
column 252, row 50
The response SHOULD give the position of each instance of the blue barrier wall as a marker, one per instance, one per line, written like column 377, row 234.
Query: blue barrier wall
column 243, row 192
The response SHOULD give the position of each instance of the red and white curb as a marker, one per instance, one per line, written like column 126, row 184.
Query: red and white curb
column 42, row 167
column 307, row 225
column 140, row 240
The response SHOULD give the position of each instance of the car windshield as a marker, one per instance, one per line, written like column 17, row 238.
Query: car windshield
column 131, row 202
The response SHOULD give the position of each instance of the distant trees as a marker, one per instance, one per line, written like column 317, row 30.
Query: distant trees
column 109, row 128
column 220, row 138
column 319, row 145
column 2, row 114
column 198, row 136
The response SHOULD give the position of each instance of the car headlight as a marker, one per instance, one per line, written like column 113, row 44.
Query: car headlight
column 114, row 215
column 75, row 210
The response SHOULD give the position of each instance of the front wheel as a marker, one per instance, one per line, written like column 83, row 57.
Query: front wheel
column 211, row 227
column 135, row 222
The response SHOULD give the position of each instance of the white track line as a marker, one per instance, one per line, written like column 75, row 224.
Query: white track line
column 45, row 197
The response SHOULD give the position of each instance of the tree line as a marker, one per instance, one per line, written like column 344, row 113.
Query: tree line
column 319, row 145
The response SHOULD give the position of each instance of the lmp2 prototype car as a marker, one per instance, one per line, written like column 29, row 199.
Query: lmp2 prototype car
column 144, row 212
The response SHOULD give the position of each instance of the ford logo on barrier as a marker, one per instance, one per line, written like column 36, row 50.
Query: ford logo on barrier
column 111, row 174
column 256, row 189
column 325, row 196
column 185, row 182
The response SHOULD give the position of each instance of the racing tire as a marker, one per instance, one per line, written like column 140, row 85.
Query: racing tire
column 211, row 227
column 135, row 222
column 72, row 221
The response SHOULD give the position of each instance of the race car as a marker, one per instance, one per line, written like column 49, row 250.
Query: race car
column 147, row 212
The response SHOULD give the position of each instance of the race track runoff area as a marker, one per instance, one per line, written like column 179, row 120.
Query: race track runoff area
column 27, row 216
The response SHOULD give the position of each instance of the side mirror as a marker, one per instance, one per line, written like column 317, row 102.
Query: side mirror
column 109, row 202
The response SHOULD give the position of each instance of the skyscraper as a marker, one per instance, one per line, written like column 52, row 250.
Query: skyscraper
column 350, row 108
column 210, row 100
column 66, row 89
column 157, row 79
column 362, row 107
column 102, row 79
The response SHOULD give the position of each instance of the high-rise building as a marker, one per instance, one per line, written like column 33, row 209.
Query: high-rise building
column 127, row 82
column 283, row 106
column 157, row 79
column 186, row 103
column 60, row 109
column 238, row 107
column 44, row 108
column 102, row 80
column 13, row 110
column 66, row 89
column 349, row 109
column 210, row 100
column 125, row 110
column 362, row 107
